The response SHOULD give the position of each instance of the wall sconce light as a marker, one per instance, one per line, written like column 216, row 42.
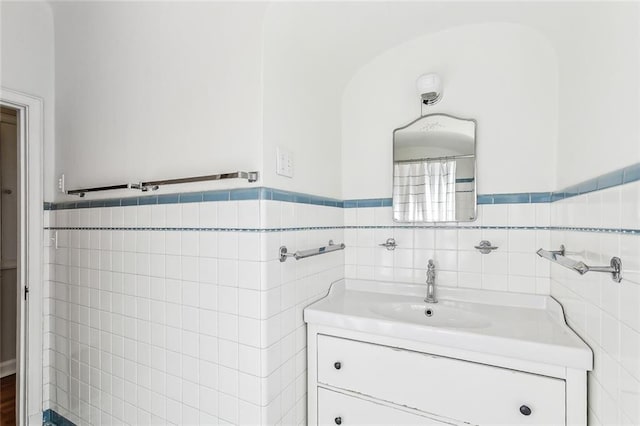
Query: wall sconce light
column 429, row 88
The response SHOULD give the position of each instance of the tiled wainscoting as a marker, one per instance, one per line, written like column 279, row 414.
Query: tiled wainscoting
column 605, row 314
column 177, row 310
column 518, row 230
column 183, row 313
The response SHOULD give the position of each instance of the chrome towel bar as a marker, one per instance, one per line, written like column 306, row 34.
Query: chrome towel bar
column 154, row 185
column 284, row 254
column 558, row 256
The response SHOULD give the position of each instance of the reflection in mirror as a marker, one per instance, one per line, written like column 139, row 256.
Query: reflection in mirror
column 434, row 170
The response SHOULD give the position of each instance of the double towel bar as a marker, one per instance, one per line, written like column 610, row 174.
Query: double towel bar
column 284, row 254
column 154, row 185
column 558, row 256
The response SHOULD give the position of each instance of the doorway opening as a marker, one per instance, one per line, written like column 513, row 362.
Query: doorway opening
column 10, row 292
column 29, row 253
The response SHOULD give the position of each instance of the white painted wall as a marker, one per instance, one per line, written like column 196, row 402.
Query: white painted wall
column 313, row 50
column 27, row 65
column 502, row 75
column 209, row 87
column 157, row 90
column 300, row 99
column 599, row 64
column 300, row 115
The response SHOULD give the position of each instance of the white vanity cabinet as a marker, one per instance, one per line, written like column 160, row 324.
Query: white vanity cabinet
column 363, row 371
column 450, row 388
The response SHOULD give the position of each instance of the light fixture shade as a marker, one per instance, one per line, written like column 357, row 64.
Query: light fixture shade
column 429, row 88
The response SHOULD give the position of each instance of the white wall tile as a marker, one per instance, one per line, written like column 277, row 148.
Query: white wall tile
column 158, row 215
column 190, row 215
column 248, row 214
column 611, row 321
column 230, row 288
column 495, row 282
column 522, row 241
column 228, row 214
column 365, row 217
column 630, row 205
column 495, row 214
column 249, row 246
column 189, row 243
column 522, row 284
column 469, row 261
column 522, row 214
column 173, row 215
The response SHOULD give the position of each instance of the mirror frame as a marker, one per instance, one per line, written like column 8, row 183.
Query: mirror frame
column 475, row 162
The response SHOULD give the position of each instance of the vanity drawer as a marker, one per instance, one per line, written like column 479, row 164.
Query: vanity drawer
column 335, row 408
column 461, row 390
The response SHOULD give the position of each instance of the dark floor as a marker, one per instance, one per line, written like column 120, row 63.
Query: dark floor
column 8, row 401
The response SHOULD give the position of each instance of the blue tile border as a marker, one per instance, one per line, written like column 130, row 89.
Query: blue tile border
column 631, row 173
column 297, row 197
column 246, row 194
column 50, row 417
column 618, row 177
column 608, row 180
column 369, row 202
column 190, row 197
column 261, row 193
column 516, row 198
column 540, row 197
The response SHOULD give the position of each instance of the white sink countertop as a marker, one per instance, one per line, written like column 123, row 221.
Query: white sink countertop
column 523, row 326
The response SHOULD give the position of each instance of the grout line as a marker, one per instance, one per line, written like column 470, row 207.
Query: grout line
column 628, row 231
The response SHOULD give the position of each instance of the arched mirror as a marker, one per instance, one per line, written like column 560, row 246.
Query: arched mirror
column 434, row 170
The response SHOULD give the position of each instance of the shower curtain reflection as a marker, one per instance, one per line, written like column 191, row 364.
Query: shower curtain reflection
column 425, row 191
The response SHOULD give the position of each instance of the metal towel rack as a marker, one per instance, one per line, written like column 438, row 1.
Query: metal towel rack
column 154, row 185
column 284, row 254
column 558, row 256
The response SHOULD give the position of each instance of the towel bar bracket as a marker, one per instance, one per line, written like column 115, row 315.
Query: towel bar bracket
column 615, row 269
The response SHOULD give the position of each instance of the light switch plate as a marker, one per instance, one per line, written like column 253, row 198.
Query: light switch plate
column 284, row 162
column 61, row 185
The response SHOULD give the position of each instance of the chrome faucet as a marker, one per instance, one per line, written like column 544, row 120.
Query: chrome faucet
column 431, row 283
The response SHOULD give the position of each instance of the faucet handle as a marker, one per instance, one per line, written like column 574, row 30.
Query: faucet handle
column 430, row 264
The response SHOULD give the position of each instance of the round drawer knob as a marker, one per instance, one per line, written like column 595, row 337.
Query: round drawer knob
column 524, row 410
column 338, row 420
column 337, row 366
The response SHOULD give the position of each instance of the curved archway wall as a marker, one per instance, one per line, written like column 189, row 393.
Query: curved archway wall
column 503, row 75
column 312, row 51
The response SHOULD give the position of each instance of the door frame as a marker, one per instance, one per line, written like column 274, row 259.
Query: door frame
column 29, row 355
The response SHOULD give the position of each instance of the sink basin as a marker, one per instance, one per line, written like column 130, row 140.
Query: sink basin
column 441, row 314
column 521, row 326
